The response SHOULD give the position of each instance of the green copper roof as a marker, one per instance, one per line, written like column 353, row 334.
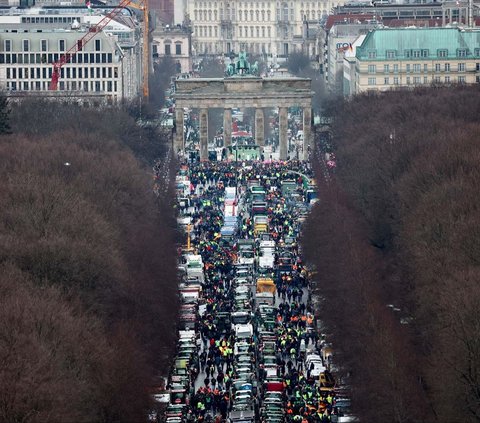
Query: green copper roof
column 419, row 44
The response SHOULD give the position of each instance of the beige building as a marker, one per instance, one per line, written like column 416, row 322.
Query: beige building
column 31, row 40
column 272, row 28
column 407, row 57
column 175, row 43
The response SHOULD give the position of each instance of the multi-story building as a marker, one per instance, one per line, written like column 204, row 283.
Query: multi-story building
column 392, row 58
column 174, row 43
column 271, row 28
column 415, row 12
column 31, row 40
column 339, row 40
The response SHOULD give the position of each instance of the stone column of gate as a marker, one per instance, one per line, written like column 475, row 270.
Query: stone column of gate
column 259, row 127
column 282, row 131
column 179, row 135
column 227, row 127
column 307, row 131
column 203, row 134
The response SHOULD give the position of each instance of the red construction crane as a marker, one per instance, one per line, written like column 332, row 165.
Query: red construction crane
column 94, row 30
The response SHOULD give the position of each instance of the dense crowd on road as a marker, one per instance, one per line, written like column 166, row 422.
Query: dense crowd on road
column 249, row 349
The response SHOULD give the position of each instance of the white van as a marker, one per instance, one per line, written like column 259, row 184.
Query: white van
column 314, row 363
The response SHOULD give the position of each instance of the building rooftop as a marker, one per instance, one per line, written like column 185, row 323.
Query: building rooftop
column 347, row 19
column 405, row 42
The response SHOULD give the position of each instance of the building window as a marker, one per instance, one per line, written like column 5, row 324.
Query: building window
column 436, row 79
column 425, row 67
column 391, row 54
column 461, row 67
column 425, row 80
column 416, row 53
column 407, row 53
column 395, row 68
column 386, row 81
column 477, row 52
column 43, row 45
column 407, row 67
column 417, row 68
column 447, row 67
column 98, row 45
column 424, row 53
column 408, row 80
column 461, row 80
column 447, row 79
column 417, row 80
column 372, row 81
column 372, row 69
column 462, row 52
column 178, row 49
column 442, row 53
column 26, row 45
column 438, row 67
column 8, row 45
column 372, row 54
column 167, row 50
column 386, row 68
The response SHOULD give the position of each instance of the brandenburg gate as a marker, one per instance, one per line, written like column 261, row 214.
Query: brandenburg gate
column 243, row 91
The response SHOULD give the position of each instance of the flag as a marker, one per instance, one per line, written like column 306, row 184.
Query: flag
column 89, row 6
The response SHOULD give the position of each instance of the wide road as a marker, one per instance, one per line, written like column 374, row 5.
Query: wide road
column 248, row 349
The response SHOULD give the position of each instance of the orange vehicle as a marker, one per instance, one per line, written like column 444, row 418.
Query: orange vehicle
column 266, row 285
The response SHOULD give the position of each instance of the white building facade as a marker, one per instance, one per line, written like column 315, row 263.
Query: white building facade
column 269, row 27
column 108, row 66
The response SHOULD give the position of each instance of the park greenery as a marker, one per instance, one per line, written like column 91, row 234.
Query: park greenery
column 395, row 240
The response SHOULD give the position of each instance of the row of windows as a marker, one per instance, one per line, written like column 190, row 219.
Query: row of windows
column 417, row 67
column 52, row 58
column 217, row 48
column 49, row 19
column 208, row 31
column 257, row 3
column 168, row 49
column 260, row 4
column 419, row 80
column 46, row 73
column 423, row 53
column 42, row 45
column 254, row 31
column 92, row 86
column 282, row 14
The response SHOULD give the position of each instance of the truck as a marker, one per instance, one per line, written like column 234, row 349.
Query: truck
column 266, row 285
column 288, row 187
column 230, row 193
column 260, row 224
column 194, row 267
column 266, row 298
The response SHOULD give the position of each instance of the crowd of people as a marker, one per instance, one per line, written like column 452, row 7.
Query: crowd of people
column 214, row 394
